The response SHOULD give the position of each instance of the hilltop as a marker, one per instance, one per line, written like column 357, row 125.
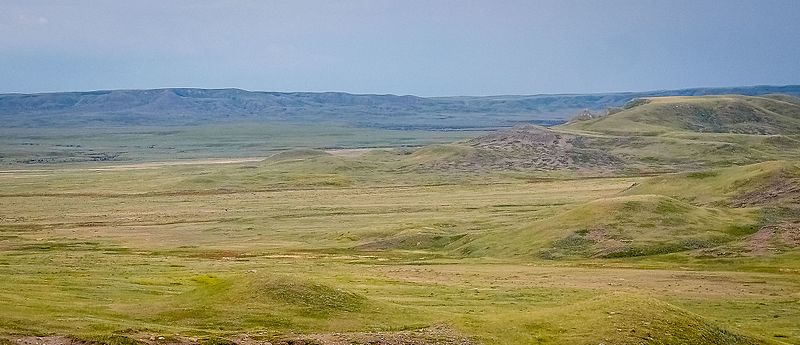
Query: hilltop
column 778, row 114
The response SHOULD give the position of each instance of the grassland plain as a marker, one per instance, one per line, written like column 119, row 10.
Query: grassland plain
column 137, row 144
column 455, row 243
column 209, row 252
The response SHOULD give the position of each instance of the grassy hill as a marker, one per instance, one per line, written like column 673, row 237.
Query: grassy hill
column 520, row 148
column 681, row 133
column 714, row 114
column 776, row 182
column 624, row 226
column 732, row 210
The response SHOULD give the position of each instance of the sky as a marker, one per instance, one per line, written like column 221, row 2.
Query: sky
column 425, row 48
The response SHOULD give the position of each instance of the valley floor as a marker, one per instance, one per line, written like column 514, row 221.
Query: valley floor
column 120, row 256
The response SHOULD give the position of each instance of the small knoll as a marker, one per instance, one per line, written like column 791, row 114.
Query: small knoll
column 715, row 114
column 286, row 297
column 522, row 147
column 637, row 225
column 622, row 318
column 415, row 239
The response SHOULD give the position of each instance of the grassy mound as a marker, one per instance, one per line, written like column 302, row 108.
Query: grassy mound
column 278, row 301
column 631, row 319
column 755, row 184
column 414, row 239
column 521, row 148
column 624, row 226
column 718, row 114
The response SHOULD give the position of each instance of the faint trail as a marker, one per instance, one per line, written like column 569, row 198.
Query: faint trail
column 151, row 165
column 137, row 166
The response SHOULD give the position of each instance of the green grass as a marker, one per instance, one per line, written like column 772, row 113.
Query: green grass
column 624, row 226
column 719, row 185
column 715, row 114
column 102, row 146
column 210, row 251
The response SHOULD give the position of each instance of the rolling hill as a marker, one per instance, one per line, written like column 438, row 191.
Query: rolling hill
column 708, row 114
column 650, row 134
column 520, row 148
column 614, row 234
column 623, row 226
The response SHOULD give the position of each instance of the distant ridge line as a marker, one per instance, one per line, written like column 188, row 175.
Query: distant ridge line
column 197, row 106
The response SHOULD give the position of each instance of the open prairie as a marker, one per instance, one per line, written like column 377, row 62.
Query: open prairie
column 376, row 246
column 669, row 220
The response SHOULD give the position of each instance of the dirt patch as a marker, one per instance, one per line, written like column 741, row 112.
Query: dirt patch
column 759, row 243
column 529, row 147
column 437, row 334
column 605, row 244
column 774, row 238
column 791, row 234
column 440, row 334
column 783, row 189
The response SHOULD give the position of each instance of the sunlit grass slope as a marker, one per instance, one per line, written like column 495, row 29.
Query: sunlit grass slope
column 623, row 226
column 719, row 114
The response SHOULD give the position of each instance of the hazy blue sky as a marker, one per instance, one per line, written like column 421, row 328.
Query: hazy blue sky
column 429, row 47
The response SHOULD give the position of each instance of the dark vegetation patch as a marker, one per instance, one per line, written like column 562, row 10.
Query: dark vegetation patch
column 702, row 174
column 665, row 248
column 311, row 296
column 70, row 245
column 413, row 241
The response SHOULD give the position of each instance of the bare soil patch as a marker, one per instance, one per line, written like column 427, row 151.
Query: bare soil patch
column 529, row 147
column 437, row 334
column 779, row 189
column 774, row 238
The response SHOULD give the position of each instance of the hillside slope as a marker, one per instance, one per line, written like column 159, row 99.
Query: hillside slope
column 715, row 114
column 622, row 226
column 767, row 183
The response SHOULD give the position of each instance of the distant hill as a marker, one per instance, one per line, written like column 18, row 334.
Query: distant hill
column 186, row 106
column 648, row 134
column 770, row 114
